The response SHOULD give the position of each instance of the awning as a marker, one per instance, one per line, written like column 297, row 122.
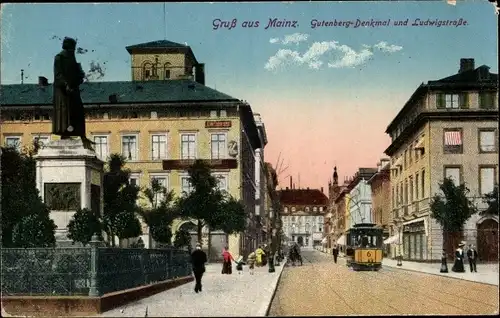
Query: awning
column 392, row 240
column 418, row 220
column 341, row 240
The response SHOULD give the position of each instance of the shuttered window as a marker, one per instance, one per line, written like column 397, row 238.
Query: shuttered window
column 486, row 179
column 453, row 173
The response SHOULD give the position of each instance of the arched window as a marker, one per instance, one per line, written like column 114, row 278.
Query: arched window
column 147, row 70
column 166, row 71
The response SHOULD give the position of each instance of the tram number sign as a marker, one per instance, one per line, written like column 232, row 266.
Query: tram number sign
column 369, row 254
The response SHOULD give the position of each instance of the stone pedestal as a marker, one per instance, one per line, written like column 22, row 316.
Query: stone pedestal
column 69, row 177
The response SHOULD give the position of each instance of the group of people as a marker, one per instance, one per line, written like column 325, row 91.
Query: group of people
column 257, row 258
column 294, row 254
column 458, row 265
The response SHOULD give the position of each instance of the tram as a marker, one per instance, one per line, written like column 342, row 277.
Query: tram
column 364, row 247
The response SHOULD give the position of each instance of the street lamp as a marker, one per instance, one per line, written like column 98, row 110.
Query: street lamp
column 400, row 233
column 273, row 242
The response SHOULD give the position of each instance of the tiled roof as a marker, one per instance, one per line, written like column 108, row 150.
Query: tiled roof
column 127, row 92
column 160, row 44
column 471, row 76
column 302, row 197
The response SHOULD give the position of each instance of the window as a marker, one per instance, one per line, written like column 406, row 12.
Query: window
column 393, row 197
column 453, row 141
column 423, row 183
column 410, row 191
column 486, row 180
column 223, row 113
column 286, row 210
column 41, row 140
column 307, row 209
column 397, row 196
column 134, row 179
column 315, row 209
column 153, row 115
column 162, row 180
column 186, row 185
column 405, row 156
column 129, row 147
column 406, row 192
column 101, row 147
column 218, row 146
column 451, row 100
column 487, row 100
column 166, row 71
column 416, row 186
column 14, row 142
column 158, row 147
column 453, row 173
column 487, row 140
column 410, row 155
column 293, row 219
column 293, row 209
column 213, row 114
column 308, row 227
column 188, row 146
column 222, row 181
column 320, row 209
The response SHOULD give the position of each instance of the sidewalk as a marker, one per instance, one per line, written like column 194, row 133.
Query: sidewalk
column 223, row 295
column 486, row 273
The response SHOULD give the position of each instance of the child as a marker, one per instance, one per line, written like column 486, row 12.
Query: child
column 251, row 262
column 239, row 265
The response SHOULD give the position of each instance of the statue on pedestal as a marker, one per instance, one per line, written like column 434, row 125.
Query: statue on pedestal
column 68, row 118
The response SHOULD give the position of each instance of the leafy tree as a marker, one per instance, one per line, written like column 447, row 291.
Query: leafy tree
column 182, row 238
column 25, row 218
column 230, row 217
column 119, row 201
column 203, row 202
column 161, row 214
column 83, row 225
column 492, row 200
column 451, row 211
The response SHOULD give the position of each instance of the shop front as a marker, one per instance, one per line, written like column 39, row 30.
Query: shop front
column 414, row 241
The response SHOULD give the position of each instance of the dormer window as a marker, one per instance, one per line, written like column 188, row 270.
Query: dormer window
column 286, row 209
column 293, row 209
column 307, row 209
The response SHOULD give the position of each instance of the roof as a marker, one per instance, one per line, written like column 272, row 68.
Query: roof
column 161, row 46
column 477, row 78
column 184, row 90
column 302, row 197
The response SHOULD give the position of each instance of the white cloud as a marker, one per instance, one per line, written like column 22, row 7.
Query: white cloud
column 385, row 47
column 294, row 38
column 342, row 56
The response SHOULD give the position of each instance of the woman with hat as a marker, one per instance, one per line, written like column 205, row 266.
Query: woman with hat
column 458, row 266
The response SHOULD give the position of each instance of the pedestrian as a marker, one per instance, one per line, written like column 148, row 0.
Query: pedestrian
column 458, row 266
column 335, row 252
column 251, row 262
column 239, row 265
column 227, row 267
column 198, row 260
column 259, row 252
column 472, row 256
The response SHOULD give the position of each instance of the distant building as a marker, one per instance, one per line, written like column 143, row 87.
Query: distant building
column 360, row 197
column 302, row 215
column 447, row 128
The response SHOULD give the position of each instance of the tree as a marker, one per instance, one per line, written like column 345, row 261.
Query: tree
column 491, row 199
column 230, row 217
column 182, row 238
column 451, row 211
column 119, row 201
column 83, row 225
column 203, row 202
column 25, row 218
column 161, row 214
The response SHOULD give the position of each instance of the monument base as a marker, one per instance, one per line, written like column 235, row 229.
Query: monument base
column 69, row 177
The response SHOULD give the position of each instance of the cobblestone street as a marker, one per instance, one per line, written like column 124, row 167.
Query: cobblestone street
column 321, row 287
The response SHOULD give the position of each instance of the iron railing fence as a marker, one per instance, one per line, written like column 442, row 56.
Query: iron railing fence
column 91, row 271
column 45, row 271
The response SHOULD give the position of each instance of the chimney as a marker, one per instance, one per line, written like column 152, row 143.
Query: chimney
column 200, row 73
column 286, row 188
column 291, row 184
column 43, row 81
column 466, row 65
column 322, row 190
column 294, row 186
column 307, row 188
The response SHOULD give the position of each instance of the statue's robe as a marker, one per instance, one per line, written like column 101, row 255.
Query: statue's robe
column 68, row 107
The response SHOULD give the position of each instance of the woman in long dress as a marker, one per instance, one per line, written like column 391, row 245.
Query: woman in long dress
column 458, row 266
column 227, row 267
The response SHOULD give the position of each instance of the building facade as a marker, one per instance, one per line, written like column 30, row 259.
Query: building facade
column 380, row 184
column 448, row 128
column 360, row 197
column 159, row 123
column 303, row 215
column 260, row 182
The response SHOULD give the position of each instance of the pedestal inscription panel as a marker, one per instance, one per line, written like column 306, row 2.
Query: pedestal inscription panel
column 63, row 196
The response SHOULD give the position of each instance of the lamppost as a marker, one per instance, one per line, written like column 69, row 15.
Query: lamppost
column 273, row 242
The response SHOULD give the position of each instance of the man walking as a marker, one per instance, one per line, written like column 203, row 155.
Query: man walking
column 198, row 260
column 335, row 252
column 472, row 256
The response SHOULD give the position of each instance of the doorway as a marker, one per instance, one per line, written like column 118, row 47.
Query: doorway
column 300, row 241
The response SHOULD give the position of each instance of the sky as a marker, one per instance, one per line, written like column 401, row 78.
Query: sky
column 325, row 93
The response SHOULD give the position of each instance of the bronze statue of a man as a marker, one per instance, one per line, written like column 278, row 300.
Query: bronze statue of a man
column 69, row 116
